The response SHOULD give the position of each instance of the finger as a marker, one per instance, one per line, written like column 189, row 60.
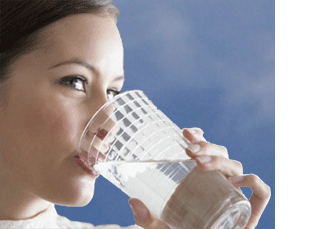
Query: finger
column 194, row 135
column 207, row 148
column 226, row 166
column 259, row 198
column 143, row 217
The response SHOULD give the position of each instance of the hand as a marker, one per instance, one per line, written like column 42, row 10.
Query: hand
column 208, row 157
column 215, row 157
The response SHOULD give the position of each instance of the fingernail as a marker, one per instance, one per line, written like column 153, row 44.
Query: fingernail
column 199, row 130
column 192, row 130
column 204, row 159
column 194, row 148
column 132, row 208
column 196, row 130
column 135, row 216
column 236, row 179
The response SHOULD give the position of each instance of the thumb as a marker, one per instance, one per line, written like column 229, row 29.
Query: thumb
column 143, row 217
column 141, row 213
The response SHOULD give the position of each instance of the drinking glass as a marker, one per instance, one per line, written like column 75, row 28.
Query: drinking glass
column 140, row 150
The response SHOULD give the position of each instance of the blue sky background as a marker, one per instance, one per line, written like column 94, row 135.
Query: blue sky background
column 207, row 64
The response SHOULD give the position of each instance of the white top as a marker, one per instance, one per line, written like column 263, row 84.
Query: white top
column 51, row 220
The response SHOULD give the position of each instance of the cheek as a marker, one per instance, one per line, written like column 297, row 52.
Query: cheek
column 52, row 125
column 38, row 137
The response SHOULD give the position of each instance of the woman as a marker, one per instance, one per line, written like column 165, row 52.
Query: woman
column 60, row 61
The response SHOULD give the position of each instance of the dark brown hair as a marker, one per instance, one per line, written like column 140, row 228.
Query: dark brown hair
column 21, row 21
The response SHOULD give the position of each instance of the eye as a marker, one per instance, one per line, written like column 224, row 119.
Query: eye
column 111, row 93
column 76, row 82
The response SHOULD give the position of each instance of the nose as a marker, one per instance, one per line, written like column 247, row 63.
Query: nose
column 102, row 110
column 97, row 134
column 102, row 119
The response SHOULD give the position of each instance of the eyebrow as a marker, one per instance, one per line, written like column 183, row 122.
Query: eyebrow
column 86, row 65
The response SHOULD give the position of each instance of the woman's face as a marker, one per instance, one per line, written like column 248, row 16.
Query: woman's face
column 52, row 94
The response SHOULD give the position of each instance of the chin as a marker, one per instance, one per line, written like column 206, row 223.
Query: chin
column 77, row 197
column 75, row 201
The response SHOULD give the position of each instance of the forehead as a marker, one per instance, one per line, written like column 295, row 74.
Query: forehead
column 86, row 36
column 84, row 23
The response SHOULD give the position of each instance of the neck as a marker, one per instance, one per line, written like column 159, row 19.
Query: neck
column 18, row 203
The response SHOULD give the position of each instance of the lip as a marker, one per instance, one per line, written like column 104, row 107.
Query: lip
column 83, row 156
column 85, row 168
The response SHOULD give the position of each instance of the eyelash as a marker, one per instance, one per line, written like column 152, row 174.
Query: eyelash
column 68, row 80
column 114, row 91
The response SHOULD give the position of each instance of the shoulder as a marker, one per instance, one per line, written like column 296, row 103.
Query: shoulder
column 113, row 226
column 64, row 222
